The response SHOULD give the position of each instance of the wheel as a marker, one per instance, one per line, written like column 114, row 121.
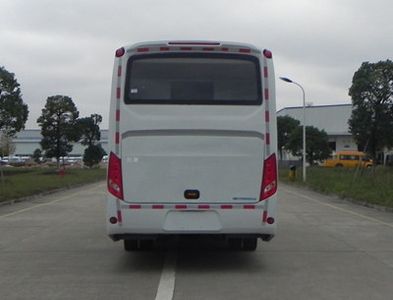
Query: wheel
column 235, row 244
column 250, row 244
column 130, row 245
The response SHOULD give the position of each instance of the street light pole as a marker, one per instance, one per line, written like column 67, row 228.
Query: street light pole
column 304, row 123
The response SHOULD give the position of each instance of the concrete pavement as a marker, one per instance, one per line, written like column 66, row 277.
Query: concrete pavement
column 55, row 247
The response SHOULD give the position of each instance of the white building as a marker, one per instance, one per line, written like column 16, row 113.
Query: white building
column 28, row 140
column 331, row 118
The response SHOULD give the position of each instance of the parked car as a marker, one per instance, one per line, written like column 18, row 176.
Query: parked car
column 349, row 159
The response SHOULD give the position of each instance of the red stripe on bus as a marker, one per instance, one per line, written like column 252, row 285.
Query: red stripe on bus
column 119, row 216
column 143, row 50
column 264, row 216
column 224, row 49
column 204, row 206
column 244, row 50
column 135, row 206
column 157, row 206
column 267, row 94
column 117, row 138
column 249, row 206
column 267, row 138
column 265, row 74
column 226, row 206
column 180, row 206
column 118, row 91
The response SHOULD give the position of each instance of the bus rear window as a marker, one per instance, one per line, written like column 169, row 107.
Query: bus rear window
column 192, row 78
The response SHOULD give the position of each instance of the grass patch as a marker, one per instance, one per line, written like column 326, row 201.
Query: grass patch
column 22, row 182
column 373, row 185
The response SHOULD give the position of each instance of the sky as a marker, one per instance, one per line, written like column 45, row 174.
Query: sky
column 67, row 47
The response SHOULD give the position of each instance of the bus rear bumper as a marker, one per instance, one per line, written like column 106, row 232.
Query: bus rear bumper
column 161, row 223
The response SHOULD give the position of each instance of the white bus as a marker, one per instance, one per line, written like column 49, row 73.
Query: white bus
column 192, row 141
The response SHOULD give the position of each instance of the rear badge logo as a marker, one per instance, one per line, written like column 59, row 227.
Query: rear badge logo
column 191, row 194
column 244, row 198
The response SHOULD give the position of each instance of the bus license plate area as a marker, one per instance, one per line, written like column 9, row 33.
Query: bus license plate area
column 189, row 221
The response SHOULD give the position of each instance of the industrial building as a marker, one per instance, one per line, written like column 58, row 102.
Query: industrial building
column 331, row 118
column 26, row 141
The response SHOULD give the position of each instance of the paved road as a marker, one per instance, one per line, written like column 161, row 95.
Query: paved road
column 55, row 247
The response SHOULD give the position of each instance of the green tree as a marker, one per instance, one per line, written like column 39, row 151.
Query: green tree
column 371, row 122
column 89, row 129
column 58, row 126
column 37, row 154
column 317, row 144
column 13, row 111
column 285, row 126
column 93, row 155
column 7, row 146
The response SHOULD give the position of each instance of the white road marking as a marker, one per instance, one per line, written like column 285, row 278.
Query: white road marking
column 166, row 287
column 338, row 208
column 44, row 204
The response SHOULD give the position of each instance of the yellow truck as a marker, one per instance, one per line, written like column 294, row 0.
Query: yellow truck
column 349, row 159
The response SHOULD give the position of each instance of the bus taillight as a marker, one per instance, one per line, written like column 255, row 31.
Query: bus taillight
column 115, row 180
column 269, row 179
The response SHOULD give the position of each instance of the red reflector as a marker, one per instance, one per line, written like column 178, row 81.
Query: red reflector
column 114, row 177
column 120, row 52
column 113, row 220
column 267, row 53
column 269, row 179
column 270, row 220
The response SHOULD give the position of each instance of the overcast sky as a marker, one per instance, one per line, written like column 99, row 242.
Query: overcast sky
column 67, row 47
